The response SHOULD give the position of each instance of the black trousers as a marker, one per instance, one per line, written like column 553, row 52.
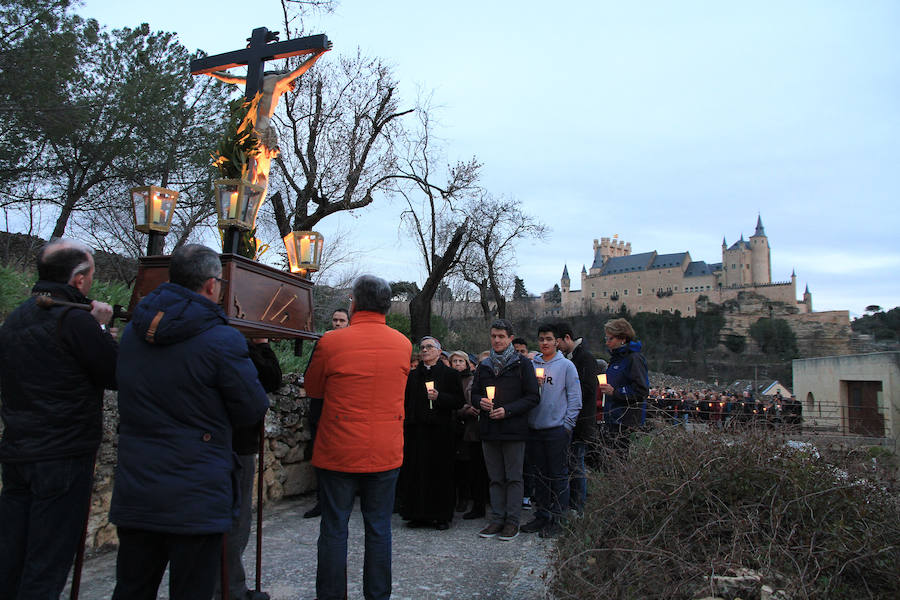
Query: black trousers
column 193, row 564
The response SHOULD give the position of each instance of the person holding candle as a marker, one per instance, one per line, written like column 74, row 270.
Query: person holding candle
column 503, row 426
column 433, row 395
column 627, row 383
column 471, row 476
column 550, row 432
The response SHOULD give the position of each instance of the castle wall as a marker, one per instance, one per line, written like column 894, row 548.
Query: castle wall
column 760, row 264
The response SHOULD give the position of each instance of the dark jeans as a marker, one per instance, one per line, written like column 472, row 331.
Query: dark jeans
column 237, row 538
column 577, row 476
column 547, row 450
column 43, row 507
column 376, row 497
column 193, row 564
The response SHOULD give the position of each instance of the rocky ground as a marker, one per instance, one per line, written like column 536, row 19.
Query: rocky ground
column 427, row 564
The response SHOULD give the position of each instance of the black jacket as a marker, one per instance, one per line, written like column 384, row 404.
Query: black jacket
column 586, row 365
column 54, row 365
column 516, row 391
column 450, row 396
column 245, row 440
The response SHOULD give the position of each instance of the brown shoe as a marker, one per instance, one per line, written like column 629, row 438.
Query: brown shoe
column 491, row 530
column 509, row 531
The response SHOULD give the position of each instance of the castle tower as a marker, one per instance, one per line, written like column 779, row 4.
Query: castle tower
column 807, row 299
column 564, row 281
column 761, row 255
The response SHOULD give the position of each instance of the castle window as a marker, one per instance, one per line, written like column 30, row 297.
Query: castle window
column 733, row 266
column 604, row 294
column 640, row 291
column 592, row 294
column 626, row 292
column 676, row 288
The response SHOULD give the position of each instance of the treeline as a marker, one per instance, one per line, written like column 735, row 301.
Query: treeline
column 883, row 326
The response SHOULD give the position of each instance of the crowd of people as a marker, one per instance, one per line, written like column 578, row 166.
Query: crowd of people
column 722, row 409
column 428, row 435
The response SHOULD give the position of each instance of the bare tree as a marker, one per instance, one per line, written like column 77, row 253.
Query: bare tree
column 436, row 216
column 489, row 263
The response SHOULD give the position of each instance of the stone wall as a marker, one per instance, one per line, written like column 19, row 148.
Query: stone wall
column 288, row 471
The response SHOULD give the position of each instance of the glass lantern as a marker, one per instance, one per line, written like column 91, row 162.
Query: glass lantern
column 237, row 202
column 304, row 251
column 153, row 208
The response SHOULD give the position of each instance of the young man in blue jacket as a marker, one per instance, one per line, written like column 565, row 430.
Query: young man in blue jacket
column 185, row 382
column 550, row 433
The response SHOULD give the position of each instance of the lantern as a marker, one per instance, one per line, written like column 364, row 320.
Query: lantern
column 153, row 208
column 237, row 202
column 304, row 251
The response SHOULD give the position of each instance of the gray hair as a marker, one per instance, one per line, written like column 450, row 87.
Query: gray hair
column 62, row 259
column 192, row 265
column 433, row 339
column 372, row 293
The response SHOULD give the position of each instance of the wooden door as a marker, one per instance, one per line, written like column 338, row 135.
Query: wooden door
column 863, row 415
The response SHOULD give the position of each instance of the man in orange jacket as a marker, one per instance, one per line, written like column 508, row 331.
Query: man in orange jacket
column 360, row 372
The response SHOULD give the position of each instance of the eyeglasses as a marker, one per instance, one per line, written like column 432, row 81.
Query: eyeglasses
column 220, row 280
column 428, row 347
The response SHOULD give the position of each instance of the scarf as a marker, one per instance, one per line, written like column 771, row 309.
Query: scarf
column 499, row 362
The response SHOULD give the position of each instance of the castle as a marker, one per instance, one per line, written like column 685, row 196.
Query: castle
column 653, row 282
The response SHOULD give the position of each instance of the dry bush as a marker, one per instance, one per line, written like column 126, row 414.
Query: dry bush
column 686, row 506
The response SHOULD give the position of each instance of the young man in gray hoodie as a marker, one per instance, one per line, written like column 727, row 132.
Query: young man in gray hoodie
column 550, row 432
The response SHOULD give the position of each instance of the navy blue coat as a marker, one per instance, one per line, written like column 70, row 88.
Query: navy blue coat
column 627, row 373
column 179, row 398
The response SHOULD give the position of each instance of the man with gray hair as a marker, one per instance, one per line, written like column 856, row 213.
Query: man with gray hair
column 185, row 381
column 55, row 361
column 360, row 372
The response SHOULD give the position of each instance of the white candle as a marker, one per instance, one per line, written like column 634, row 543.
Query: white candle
column 601, row 378
column 429, row 385
column 539, row 371
column 304, row 249
column 489, row 390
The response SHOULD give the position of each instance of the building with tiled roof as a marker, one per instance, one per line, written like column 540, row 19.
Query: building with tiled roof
column 653, row 282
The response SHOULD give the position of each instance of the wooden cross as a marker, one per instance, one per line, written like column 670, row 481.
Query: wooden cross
column 257, row 52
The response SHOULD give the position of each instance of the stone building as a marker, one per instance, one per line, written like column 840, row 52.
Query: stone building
column 653, row 282
column 857, row 394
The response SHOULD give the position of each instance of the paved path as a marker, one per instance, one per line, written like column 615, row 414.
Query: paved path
column 428, row 564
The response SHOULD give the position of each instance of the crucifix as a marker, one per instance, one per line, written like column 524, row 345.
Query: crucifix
column 263, row 45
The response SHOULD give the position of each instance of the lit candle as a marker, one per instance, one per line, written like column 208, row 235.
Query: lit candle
column 304, row 249
column 539, row 371
column 233, row 206
column 489, row 390
column 602, row 378
column 156, row 213
column 429, row 385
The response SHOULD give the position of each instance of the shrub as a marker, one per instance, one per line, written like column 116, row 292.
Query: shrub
column 687, row 506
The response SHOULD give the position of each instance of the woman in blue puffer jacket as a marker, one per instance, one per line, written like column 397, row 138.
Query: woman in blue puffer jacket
column 627, row 383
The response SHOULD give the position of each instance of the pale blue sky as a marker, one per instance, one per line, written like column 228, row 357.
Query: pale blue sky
column 671, row 124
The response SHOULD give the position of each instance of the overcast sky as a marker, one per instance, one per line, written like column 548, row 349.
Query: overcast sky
column 671, row 124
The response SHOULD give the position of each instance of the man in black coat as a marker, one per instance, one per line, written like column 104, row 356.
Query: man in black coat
column 585, row 432
column 54, row 364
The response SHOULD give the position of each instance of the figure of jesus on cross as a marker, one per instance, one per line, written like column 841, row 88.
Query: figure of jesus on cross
column 271, row 85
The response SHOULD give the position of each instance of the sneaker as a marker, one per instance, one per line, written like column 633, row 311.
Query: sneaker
column 526, row 503
column 315, row 511
column 491, row 530
column 535, row 525
column 510, row 530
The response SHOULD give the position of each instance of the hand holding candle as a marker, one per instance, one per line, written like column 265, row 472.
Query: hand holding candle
column 488, row 403
column 604, row 387
column 430, row 392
